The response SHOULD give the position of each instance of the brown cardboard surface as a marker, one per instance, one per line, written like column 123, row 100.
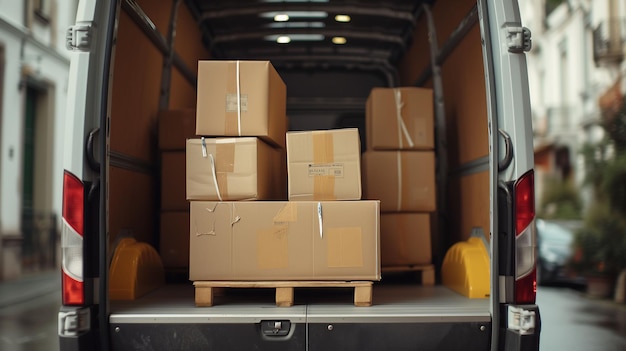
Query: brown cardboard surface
column 324, row 165
column 281, row 240
column 182, row 93
column 188, row 35
column 403, row 181
column 135, row 102
column 400, row 119
column 466, row 102
column 175, row 127
column 262, row 100
column 173, row 181
column 132, row 214
column 405, row 239
column 474, row 203
column 245, row 169
column 174, row 241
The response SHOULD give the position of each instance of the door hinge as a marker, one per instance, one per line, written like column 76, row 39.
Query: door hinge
column 78, row 37
column 518, row 39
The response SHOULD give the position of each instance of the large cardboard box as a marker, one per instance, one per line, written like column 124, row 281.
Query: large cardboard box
column 403, row 181
column 324, row 165
column 405, row 239
column 281, row 240
column 241, row 98
column 235, row 169
column 173, row 181
column 176, row 126
column 174, row 240
column 400, row 119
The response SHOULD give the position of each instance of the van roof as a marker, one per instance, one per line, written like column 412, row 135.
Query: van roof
column 314, row 34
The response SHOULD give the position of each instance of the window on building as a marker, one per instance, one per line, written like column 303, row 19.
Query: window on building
column 43, row 9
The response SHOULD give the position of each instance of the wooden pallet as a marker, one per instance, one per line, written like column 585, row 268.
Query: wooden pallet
column 205, row 290
column 427, row 272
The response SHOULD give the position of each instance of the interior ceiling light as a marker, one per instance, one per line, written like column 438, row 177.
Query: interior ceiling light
column 339, row 40
column 283, row 39
column 281, row 17
column 342, row 18
column 296, row 25
column 295, row 14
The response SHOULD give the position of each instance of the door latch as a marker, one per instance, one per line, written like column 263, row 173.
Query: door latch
column 78, row 37
column 519, row 39
column 275, row 328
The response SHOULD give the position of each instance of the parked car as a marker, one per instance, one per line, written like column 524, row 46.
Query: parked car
column 555, row 251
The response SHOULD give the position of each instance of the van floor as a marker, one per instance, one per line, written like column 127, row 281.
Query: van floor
column 399, row 303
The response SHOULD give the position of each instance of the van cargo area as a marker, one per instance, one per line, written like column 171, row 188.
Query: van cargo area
column 332, row 57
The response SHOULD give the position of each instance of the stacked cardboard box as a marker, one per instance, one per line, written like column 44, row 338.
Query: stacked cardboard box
column 399, row 170
column 232, row 238
column 174, row 127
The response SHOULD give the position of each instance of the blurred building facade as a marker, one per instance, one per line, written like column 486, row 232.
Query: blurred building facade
column 34, row 66
column 575, row 69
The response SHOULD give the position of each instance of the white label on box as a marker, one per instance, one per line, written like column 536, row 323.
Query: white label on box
column 231, row 102
column 326, row 169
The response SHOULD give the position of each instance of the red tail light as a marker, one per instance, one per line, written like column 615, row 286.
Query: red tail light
column 73, row 202
column 525, row 240
column 73, row 291
column 524, row 202
column 526, row 289
column 72, row 240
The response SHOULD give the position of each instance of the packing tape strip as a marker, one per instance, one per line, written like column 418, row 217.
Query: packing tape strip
column 402, row 129
column 399, row 170
column 238, row 99
column 323, row 153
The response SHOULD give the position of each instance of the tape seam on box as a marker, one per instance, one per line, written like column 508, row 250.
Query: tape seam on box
column 402, row 129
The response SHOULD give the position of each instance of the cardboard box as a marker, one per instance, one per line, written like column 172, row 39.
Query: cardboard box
column 324, row 165
column 400, row 119
column 245, row 169
column 175, row 126
column 174, row 240
column 280, row 240
column 241, row 98
column 173, row 181
column 405, row 239
column 403, row 181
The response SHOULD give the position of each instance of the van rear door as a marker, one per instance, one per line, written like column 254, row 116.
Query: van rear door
column 83, row 258
column 516, row 323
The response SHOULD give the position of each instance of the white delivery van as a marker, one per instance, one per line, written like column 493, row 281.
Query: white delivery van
column 132, row 59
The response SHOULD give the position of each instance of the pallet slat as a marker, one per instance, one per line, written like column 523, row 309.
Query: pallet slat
column 205, row 290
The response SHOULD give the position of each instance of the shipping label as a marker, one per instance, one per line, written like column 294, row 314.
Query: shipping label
column 231, row 102
column 326, row 169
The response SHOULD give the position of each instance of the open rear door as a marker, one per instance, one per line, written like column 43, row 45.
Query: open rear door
column 84, row 261
column 516, row 321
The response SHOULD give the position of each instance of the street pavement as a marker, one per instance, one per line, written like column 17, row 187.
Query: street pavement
column 28, row 312
column 573, row 322
column 29, row 287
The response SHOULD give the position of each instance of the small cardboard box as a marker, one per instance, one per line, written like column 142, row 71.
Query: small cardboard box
column 400, row 119
column 222, row 169
column 176, row 126
column 241, row 98
column 405, row 239
column 173, row 181
column 324, row 165
column 281, row 240
column 403, row 181
column 174, row 240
